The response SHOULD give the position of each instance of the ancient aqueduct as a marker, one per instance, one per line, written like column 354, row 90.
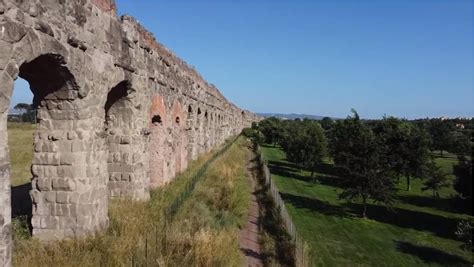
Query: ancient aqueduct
column 118, row 112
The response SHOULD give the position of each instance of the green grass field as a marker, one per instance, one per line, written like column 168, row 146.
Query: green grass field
column 419, row 231
column 20, row 143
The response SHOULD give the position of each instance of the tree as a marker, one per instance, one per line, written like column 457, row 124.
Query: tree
column 461, row 144
column 27, row 112
column 436, row 179
column 327, row 123
column 418, row 154
column 440, row 132
column 23, row 106
column 394, row 134
column 316, row 146
column 254, row 135
column 308, row 145
column 270, row 129
column 294, row 144
column 463, row 182
column 358, row 155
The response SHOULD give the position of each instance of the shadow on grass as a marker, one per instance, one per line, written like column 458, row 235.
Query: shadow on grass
column 324, row 174
column 326, row 169
column 21, row 201
column 285, row 164
column 268, row 145
column 443, row 204
column 333, row 181
column 284, row 170
column 314, row 205
column 420, row 221
column 431, row 255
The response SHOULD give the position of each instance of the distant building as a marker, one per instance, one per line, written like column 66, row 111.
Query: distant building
column 459, row 125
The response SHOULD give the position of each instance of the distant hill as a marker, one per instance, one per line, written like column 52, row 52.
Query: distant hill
column 292, row 116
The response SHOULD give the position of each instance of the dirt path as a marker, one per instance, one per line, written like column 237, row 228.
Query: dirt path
column 249, row 236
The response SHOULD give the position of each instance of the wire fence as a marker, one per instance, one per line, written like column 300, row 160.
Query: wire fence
column 301, row 249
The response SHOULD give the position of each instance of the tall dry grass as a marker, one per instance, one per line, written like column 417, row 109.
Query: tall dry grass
column 202, row 233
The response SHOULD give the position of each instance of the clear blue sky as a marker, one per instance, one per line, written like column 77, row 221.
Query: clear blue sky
column 403, row 58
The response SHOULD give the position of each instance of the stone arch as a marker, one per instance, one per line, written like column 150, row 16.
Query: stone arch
column 180, row 140
column 127, row 178
column 158, row 138
column 60, row 152
column 191, row 132
column 207, row 130
column 200, row 132
column 212, row 129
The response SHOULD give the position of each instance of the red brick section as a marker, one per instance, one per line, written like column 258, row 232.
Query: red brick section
column 107, row 6
column 158, row 107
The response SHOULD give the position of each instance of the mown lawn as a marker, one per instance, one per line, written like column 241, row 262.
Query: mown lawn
column 419, row 230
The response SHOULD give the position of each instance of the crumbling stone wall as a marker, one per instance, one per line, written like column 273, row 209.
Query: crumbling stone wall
column 117, row 112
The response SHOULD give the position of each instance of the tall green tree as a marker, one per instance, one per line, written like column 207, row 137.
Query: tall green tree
column 435, row 179
column 395, row 135
column 304, row 143
column 418, row 156
column 461, row 144
column 316, row 146
column 463, row 182
column 440, row 132
column 358, row 155
column 270, row 128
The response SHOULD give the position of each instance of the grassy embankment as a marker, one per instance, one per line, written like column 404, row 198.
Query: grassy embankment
column 419, row 231
column 203, row 233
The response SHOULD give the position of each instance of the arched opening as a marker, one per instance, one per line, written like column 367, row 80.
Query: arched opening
column 55, row 93
column 177, row 120
column 21, row 125
column 157, row 144
column 199, row 111
column 207, row 143
column 191, row 127
column 126, row 177
column 156, row 120
column 117, row 107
